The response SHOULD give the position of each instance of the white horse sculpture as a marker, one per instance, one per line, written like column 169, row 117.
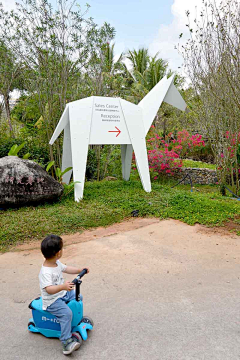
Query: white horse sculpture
column 104, row 120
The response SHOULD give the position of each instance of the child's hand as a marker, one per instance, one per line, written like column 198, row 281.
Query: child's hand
column 68, row 286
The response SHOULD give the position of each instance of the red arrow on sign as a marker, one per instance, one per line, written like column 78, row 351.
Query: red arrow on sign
column 116, row 131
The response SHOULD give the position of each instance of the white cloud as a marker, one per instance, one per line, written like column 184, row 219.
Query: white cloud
column 168, row 35
column 8, row 4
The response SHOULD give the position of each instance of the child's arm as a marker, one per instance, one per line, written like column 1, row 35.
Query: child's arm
column 73, row 270
column 53, row 289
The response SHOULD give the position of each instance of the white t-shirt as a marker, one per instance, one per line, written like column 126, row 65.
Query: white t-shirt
column 51, row 276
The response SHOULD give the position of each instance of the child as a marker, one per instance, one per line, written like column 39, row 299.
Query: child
column 55, row 292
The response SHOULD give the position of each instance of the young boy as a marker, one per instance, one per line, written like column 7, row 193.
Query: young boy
column 55, row 292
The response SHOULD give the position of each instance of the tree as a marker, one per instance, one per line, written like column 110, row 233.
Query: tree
column 212, row 61
column 105, row 77
column 10, row 70
column 139, row 60
column 26, row 111
column 55, row 47
column 103, row 70
column 146, row 72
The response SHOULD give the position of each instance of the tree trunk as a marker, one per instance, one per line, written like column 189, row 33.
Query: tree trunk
column 7, row 108
column 98, row 153
column 164, row 127
column 107, row 160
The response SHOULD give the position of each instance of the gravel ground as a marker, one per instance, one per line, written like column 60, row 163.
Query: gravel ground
column 159, row 290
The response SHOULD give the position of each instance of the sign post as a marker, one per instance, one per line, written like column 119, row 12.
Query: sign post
column 105, row 120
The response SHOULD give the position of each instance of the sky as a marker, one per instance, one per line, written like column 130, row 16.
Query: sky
column 155, row 24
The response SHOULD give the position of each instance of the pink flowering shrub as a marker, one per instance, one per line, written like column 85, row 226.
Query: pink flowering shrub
column 186, row 143
column 163, row 162
column 164, row 155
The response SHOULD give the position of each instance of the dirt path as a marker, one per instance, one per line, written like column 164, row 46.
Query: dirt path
column 157, row 290
column 89, row 235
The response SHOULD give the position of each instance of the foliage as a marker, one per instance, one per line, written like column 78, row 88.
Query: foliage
column 163, row 162
column 91, row 167
column 211, row 59
column 33, row 145
column 106, row 77
column 139, row 60
column 105, row 203
column 65, row 56
column 26, row 110
column 145, row 73
column 15, row 150
column 56, row 46
column 5, row 145
column 49, row 165
column 230, row 157
column 164, row 155
column 10, row 73
column 58, row 172
column 109, row 164
column 185, row 144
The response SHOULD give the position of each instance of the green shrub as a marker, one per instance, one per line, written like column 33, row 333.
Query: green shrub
column 26, row 110
column 38, row 152
column 91, row 167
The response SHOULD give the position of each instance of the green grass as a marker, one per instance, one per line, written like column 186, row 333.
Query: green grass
column 198, row 164
column 106, row 203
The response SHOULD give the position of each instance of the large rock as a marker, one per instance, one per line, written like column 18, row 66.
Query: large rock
column 24, row 182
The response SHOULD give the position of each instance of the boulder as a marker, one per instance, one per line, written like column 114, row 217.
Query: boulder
column 25, row 182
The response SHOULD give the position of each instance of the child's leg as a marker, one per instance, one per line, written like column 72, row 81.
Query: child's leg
column 70, row 295
column 64, row 314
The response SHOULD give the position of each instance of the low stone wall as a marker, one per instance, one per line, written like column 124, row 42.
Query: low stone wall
column 198, row 175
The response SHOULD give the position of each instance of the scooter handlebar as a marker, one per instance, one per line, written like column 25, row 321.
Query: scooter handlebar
column 80, row 275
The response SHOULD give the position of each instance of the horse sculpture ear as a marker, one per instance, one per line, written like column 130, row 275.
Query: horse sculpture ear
column 163, row 91
column 64, row 120
column 174, row 98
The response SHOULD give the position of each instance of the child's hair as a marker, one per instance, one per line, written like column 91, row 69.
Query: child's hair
column 51, row 245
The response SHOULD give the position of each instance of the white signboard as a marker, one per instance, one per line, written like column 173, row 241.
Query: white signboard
column 104, row 120
column 108, row 124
